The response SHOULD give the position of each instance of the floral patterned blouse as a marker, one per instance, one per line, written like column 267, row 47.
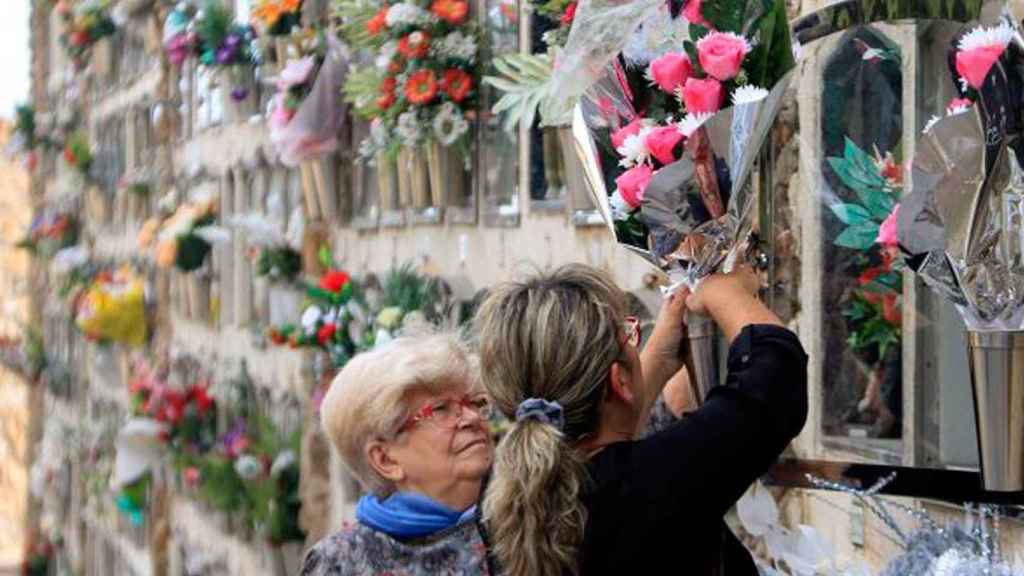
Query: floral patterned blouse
column 457, row 551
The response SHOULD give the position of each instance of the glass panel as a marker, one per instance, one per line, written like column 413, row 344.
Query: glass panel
column 365, row 188
column 499, row 150
column 862, row 115
column 546, row 169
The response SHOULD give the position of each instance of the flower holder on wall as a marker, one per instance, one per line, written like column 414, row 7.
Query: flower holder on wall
column 315, row 236
column 198, row 287
column 103, row 58
column 318, row 188
column 554, row 161
column 447, row 170
column 413, row 178
column 97, row 205
column 387, row 182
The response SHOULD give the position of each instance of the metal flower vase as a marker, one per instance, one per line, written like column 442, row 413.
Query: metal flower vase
column 319, row 188
column 997, row 377
column 703, row 350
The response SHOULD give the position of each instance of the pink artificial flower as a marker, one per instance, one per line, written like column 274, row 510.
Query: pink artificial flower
column 702, row 95
column 888, row 232
column 631, row 129
column 693, row 14
column 670, row 71
column 191, row 476
column 662, row 143
column 632, row 184
column 958, row 105
column 281, row 115
column 721, row 54
column 978, row 50
column 295, row 72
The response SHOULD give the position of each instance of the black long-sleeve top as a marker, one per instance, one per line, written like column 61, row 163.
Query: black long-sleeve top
column 656, row 505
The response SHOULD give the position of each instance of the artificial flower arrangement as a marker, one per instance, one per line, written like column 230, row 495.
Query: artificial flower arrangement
column 113, row 308
column 306, row 51
column 183, row 240
column 187, row 413
column 276, row 17
column 49, row 233
column 873, row 307
column 403, row 299
column 422, row 89
column 78, row 154
column 28, row 136
column 85, row 22
column 330, row 320
column 24, row 355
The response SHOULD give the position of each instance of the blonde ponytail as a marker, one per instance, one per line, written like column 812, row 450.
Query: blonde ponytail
column 552, row 338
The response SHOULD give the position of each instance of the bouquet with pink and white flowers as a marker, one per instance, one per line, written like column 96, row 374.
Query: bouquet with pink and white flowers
column 676, row 100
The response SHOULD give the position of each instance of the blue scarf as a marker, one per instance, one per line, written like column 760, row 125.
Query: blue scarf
column 409, row 514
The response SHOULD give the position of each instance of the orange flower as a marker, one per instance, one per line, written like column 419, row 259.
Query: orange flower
column 421, row 87
column 387, row 94
column 451, row 11
column 457, row 84
column 378, row 22
column 414, row 46
column 166, row 253
column 269, row 13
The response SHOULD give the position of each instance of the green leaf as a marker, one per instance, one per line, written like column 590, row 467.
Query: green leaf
column 325, row 257
column 858, row 236
column 850, row 213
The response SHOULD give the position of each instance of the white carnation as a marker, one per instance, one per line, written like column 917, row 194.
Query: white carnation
column 449, row 124
column 982, row 36
column 748, row 94
column 634, row 149
column 408, row 128
column 688, row 125
column 406, row 14
column 456, row 45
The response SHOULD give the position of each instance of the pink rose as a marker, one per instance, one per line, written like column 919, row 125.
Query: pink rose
column 631, row 129
column 974, row 64
column 281, row 115
column 702, row 95
column 888, row 232
column 721, row 54
column 662, row 143
column 632, row 184
column 670, row 71
column 692, row 13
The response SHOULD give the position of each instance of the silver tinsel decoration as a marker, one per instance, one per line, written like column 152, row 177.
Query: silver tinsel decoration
column 968, row 548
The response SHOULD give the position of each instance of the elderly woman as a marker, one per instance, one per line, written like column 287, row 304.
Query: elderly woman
column 409, row 420
column 574, row 490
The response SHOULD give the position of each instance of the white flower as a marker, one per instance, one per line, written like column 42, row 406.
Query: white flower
column 981, row 36
column 168, row 202
column 310, row 318
column 931, row 124
column 406, row 14
column 382, row 337
column 408, row 128
column 456, row 45
column 386, row 54
column 620, row 210
column 259, row 230
column 688, row 125
column 283, row 461
column 213, row 234
column 948, row 564
column 449, row 124
column 634, row 149
column 248, row 467
column 68, row 259
column 958, row 109
column 748, row 94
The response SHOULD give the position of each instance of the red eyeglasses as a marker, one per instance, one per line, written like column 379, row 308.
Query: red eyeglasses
column 445, row 413
column 631, row 328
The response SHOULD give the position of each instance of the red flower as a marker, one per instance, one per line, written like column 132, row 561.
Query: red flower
column 421, row 87
column 80, row 38
column 457, row 84
column 192, row 476
column 394, row 67
column 334, row 280
column 69, row 156
column 414, row 46
column 569, row 14
column 173, row 409
column 326, row 332
column 202, row 399
column 293, row 342
column 378, row 22
column 891, row 310
column 387, row 93
column 451, row 11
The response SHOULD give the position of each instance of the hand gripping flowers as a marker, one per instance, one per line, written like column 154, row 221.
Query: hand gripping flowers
column 423, row 83
column 670, row 129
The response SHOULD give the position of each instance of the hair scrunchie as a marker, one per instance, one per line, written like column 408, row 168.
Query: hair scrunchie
column 541, row 410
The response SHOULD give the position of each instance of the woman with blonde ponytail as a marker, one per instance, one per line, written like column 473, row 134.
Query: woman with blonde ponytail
column 573, row 489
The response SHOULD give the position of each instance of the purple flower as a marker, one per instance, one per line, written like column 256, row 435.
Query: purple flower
column 225, row 54
column 232, row 41
column 239, row 93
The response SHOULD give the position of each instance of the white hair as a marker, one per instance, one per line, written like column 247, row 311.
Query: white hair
column 367, row 398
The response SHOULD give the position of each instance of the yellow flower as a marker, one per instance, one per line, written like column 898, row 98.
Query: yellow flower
column 390, row 317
